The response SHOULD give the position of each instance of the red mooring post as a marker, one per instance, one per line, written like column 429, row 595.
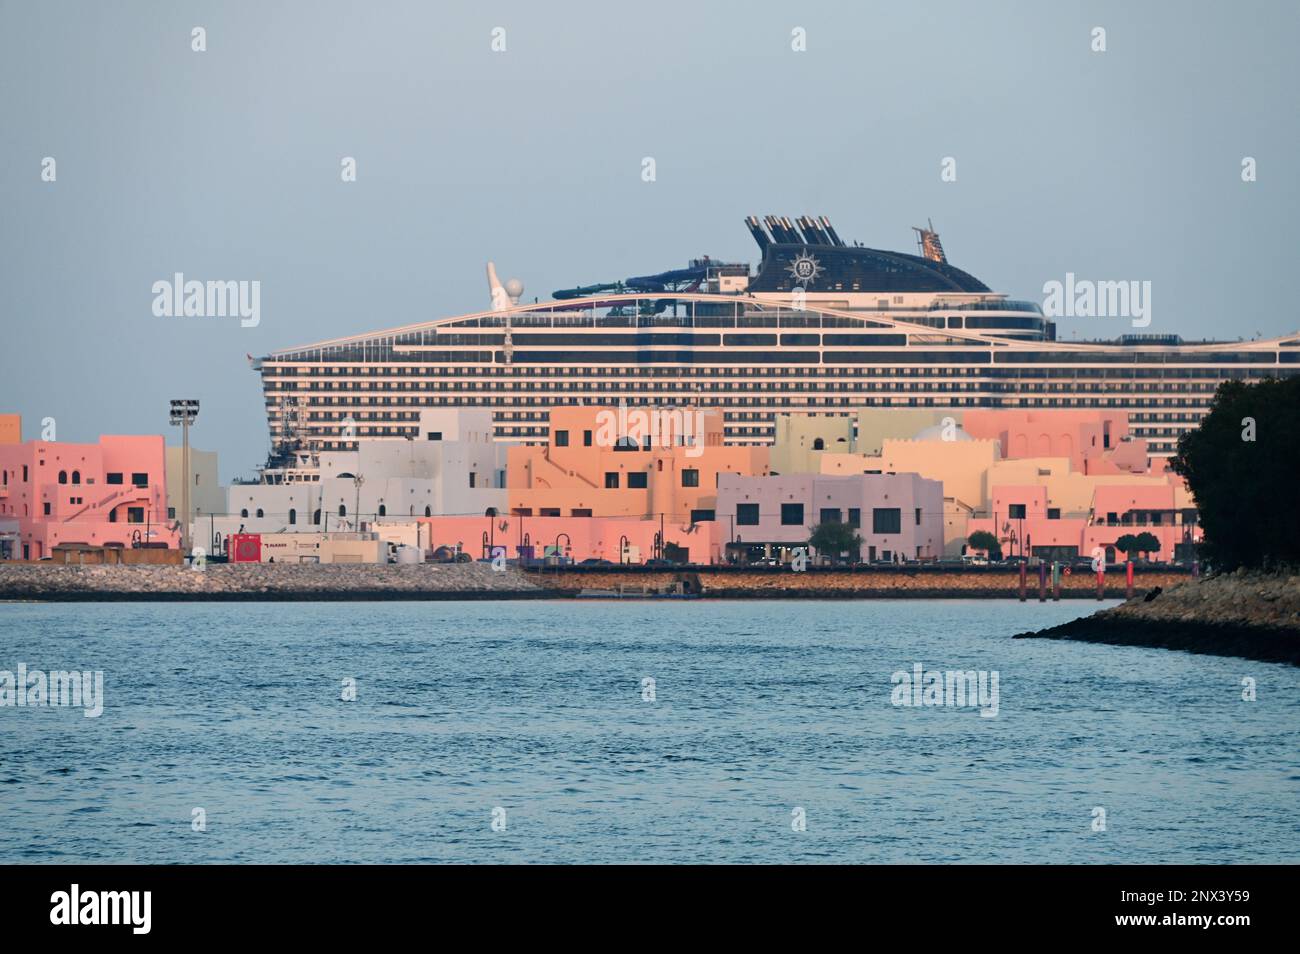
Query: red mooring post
column 1022, row 581
column 1042, row 582
column 1101, row 582
column 1128, row 580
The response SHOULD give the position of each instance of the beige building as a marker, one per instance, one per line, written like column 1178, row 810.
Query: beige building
column 803, row 439
column 207, row 496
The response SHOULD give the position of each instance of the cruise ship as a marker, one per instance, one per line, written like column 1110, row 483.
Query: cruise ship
column 820, row 326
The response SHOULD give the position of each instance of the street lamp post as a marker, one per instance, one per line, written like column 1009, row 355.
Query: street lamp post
column 358, row 480
column 183, row 412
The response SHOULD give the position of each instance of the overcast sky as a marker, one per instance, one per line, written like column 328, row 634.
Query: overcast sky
column 225, row 164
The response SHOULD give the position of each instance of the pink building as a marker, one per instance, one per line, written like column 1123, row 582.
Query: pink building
column 110, row 493
column 1095, row 442
column 898, row 516
column 1026, row 526
column 617, row 539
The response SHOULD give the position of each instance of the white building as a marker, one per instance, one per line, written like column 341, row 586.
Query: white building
column 454, row 468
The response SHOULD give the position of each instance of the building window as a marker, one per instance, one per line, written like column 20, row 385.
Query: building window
column 1016, row 511
column 886, row 520
column 638, row 480
column 76, row 476
column 259, row 512
column 428, row 511
column 819, row 444
column 561, row 438
column 611, row 480
column 747, row 515
column 135, row 514
column 383, row 510
column 139, row 480
column 918, row 516
column 830, row 515
column 315, row 517
column 343, row 510
column 690, row 477
column 791, row 514
column 435, row 435
column 293, row 516
column 702, row 516
column 472, row 477
column 586, row 438
column 581, row 512
column 1053, row 513
column 855, row 517
column 171, row 513
column 111, row 478
column 549, row 512
column 244, row 512
column 47, row 508
column 63, row 476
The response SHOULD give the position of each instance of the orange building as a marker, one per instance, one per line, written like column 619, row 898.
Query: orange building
column 642, row 462
column 11, row 429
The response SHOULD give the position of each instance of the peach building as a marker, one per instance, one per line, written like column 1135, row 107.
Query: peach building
column 109, row 493
column 628, row 462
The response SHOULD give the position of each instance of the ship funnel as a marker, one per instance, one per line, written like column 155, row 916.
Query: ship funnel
column 500, row 297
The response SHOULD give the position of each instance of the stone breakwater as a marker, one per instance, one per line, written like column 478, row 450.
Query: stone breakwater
column 285, row 581
column 269, row 581
column 1254, row 616
column 783, row 583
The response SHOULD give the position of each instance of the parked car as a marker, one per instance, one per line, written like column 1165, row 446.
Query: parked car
column 596, row 561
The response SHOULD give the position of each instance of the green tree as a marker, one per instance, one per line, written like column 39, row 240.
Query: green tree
column 834, row 539
column 1241, row 465
column 983, row 540
column 1140, row 543
column 1147, row 544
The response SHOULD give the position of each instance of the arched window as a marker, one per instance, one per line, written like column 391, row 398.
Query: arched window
column 315, row 518
column 343, row 510
column 383, row 510
column 76, row 476
column 63, row 476
column 244, row 512
column 428, row 511
column 490, row 512
column 819, row 444
column 293, row 516
column 259, row 512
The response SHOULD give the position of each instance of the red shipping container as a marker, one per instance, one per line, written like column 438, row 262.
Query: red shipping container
column 244, row 547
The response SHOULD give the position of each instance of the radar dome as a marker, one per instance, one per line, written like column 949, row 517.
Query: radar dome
column 514, row 288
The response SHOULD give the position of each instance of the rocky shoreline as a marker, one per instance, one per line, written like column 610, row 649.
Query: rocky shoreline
column 341, row 582
column 1254, row 616
column 262, row 582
